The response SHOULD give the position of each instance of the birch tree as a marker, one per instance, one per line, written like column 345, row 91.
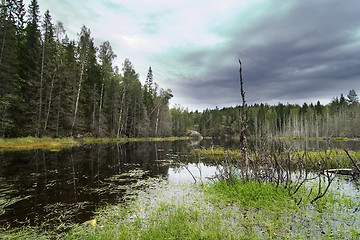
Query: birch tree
column 82, row 51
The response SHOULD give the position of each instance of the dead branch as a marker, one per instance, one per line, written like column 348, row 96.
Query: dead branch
column 322, row 194
column 243, row 126
column 352, row 160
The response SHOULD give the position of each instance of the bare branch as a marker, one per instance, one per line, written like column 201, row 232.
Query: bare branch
column 352, row 160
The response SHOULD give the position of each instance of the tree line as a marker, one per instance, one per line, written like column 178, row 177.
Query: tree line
column 339, row 118
column 54, row 86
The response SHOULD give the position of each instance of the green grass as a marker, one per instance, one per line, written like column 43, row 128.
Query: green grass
column 252, row 194
column 220, row 210
column 299, row 139
column 121, row 140
column 333, row 158
column 216, row 152
column 56, row 144
column 26, row 233
column 30, row 143
column 338, row 139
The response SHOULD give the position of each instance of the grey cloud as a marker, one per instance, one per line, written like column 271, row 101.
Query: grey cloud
column 310, row 50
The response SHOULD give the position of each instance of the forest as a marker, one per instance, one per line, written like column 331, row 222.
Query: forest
column 54, row 86
column 58, row 87
column 336, row 119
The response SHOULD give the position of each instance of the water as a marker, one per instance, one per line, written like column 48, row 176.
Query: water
column 39, row 187
column 68, row 186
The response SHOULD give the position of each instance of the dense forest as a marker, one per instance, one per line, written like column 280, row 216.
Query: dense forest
column 54, row 86
column 340, row 118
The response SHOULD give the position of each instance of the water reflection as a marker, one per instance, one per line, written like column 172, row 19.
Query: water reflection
column 195, row 172
column 68, row 186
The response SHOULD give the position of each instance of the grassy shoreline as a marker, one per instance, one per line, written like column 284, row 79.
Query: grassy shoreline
column 217, row 210
column 332, row 158
column 56, row 144
column 335, row 139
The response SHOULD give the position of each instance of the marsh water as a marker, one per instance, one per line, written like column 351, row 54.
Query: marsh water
column 68, row 186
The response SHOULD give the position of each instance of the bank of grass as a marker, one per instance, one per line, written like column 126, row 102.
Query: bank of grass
column 56, row 144
column 333, row 158
column 222, row 210
column 337, row 139
column 216, row 152
column 219, row 210
column 122, row 140
column 30, row 143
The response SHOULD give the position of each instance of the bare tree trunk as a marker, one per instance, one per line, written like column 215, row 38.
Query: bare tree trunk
column 243, row 140
column 49, row 106
column 58, row 112
column 41, row 87
column 157, row 121
column 120, row 112
column 134, row 119
column 127, row 117
column 3, row 42
column 59, row 102
column 77, row 98
column 93, row 124
column 100, row 105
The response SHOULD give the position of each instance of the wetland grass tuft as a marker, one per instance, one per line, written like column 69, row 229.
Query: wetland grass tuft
column 251, row 194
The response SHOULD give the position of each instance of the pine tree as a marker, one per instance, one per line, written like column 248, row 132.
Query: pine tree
column 352, row 97
column 8, row 71
column 49, row 74
column 149, row 94
column 29, row 71
column 106, row 56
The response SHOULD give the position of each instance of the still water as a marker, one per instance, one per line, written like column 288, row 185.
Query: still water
column 68, row 186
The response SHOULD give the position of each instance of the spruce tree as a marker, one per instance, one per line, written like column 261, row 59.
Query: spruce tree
column 8, row 71
column 29, row 70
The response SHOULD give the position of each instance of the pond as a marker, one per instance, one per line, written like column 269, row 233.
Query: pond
column 68, row 186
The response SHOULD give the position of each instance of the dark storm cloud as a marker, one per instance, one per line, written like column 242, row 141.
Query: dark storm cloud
column 305, row 50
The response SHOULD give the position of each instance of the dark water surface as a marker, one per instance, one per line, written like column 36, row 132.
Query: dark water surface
column 39, row 186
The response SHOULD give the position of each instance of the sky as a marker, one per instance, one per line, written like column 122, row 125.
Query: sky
column 291, row 51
